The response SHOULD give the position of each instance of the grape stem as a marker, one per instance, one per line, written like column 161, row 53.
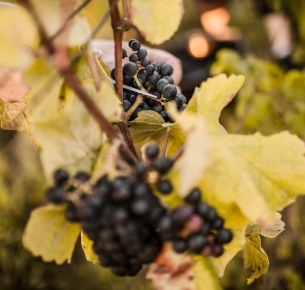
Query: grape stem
column 118, row 28
column 137, row 102
column 164, row 145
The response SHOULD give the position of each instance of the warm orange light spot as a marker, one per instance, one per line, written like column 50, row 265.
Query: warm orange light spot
column 198, row 45
column 215, row 21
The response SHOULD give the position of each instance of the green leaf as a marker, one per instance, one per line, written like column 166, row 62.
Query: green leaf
column 147, row 124
column 49, row 235
column 255, row 257
column 213, row 95
column 205, row 274
column 87, row 248
column 157, row 20
column 53, row 15
column 15, row 37
column 13, row 116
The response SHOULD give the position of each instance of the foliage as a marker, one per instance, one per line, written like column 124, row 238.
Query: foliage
column 248, row 178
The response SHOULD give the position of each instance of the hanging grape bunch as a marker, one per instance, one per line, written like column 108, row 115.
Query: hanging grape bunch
column 153, row 78
column 127, row 222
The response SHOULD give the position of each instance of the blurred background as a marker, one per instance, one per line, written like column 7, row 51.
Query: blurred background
column 261, row 39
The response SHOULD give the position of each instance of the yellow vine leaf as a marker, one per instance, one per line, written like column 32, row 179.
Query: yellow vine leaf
column 87, row 248
column 212, row 96
column 205, row 274
column 157, row 20
column 255, row 257
column 16, row 37
column 49, row 235
column 68, row 135
column 195, row 159
column 13, row 116
column 53, row 14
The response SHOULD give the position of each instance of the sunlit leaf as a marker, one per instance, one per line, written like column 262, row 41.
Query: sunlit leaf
column 205, row 274
column 13, row 116
column 196, row 155
column 49, row 235
column 17, row 37
column 255, row 257
column 213, row 95
column 87, row 248
column 157, row 20
column 54, row 13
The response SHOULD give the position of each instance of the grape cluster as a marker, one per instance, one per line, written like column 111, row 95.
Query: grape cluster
column 127, row 222
column 154, row 78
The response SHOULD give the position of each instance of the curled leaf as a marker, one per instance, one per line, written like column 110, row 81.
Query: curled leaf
column 255, row 257
column 87, row 248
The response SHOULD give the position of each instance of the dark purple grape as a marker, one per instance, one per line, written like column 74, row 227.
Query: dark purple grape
column 131, row 41
column 82, row 176
column 179, row 245
column 152, row 151
column 55, row 194
column 142, row 74
column 196, row 243
column 217, row 250
column 124, row 53
column 148, row 254
column 126, row 105
column 153, row 78
column 169, row 92
column 163, row 165
column 224, row 236
column 169, row 79
column 161, row 84
column 157, row 65
column 194, row 196
column 181, row 215
column 166, row 70
column 120, row 216
column 202, row 209
column 130, row 69
column 140, row 207
column 164, row 116
column 182, row 107
column 104, row 260
column 218, row 223
column 142, row 53
column 133, row 57
column 165, row 186
column 145, row 61
column 135, row 45
column 60, row 176
column 150, row 68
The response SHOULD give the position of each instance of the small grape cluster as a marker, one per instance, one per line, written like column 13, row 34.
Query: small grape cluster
column 154, row 78
column 127, row 222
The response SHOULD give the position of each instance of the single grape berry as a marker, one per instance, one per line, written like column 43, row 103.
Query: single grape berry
column 169, row 79
column 162, row 165
column 169, row 92
column 166, row 70
column 60, row 176
column 126, row 105
column 133, row 57
column 150, row 68
column 181, row 215
column 165, row 186
column 124, row 53
column 131, row 41
column 142, row 53
column 55, row 194
column 135, row 45
column 145, row 61
column 196, row 243
column 130, row 69
column 152, row 151
column 161, row 84
column 179, row 245
column 82, row 176
column 194, row 197
column 224, row 236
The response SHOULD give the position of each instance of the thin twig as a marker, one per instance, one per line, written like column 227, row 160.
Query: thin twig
column 118, row 38
column 126, row 16
column 178, row 153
